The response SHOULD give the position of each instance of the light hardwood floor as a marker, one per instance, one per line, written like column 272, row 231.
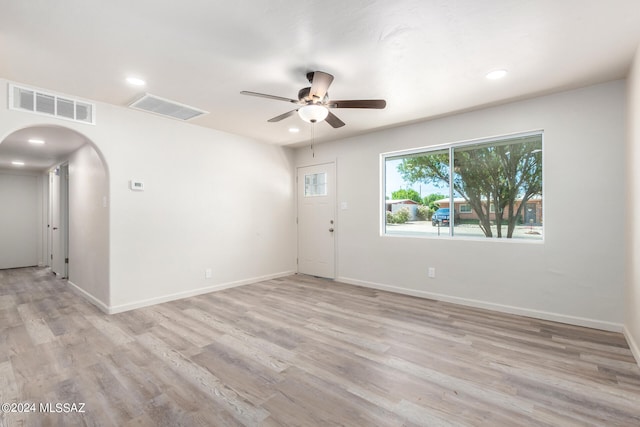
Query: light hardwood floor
column 301, row 351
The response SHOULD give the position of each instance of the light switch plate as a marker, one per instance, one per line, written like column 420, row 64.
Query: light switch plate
column 136, row 185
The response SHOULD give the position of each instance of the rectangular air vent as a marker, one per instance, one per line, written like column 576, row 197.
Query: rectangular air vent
column 63, row 107
column 164, row 107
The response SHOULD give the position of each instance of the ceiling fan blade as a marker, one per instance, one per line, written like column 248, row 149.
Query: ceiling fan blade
column 263, row 95
column 359, row 103
column 320, row 85
column 282, row 116
column 334, row 121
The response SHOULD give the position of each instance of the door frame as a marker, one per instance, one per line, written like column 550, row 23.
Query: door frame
column 63, row 220
column 332, row 187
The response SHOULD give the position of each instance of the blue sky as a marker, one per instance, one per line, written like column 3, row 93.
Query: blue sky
column 394, row 182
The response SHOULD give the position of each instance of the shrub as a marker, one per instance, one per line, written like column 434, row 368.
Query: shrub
column 391, row 218
column 402, row 215
column 423, row 212
column 399, row 217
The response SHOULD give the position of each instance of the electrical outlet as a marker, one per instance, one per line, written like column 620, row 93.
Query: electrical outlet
column 432, row 272
column 208, row 274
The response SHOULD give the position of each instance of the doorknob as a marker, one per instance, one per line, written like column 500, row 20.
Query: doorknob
column 331, row 230
column 55, row 228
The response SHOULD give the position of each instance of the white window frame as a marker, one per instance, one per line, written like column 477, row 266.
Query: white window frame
column 451, row 147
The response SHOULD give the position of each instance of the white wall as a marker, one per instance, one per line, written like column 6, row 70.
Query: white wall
column 187, row 220
column 20, row 215
column 632, row 296
column 211, row 200
column 575, row 276
column 89, row 223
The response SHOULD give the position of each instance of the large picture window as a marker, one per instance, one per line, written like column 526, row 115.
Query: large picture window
column 489, row 188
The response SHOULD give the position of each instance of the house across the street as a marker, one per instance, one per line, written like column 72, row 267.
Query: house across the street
column 531, row 214
column 394, row 206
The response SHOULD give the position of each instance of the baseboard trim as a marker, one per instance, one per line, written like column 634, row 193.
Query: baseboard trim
column 537, row 314
column 86, row 295
column 633, row 345
column 194, row 292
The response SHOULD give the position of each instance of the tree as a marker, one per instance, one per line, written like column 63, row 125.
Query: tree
column 499, row 174
column 408, row 194
column 431, row 200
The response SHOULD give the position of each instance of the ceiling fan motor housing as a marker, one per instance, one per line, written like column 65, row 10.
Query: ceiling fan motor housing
column 303, row 94
column 310, row 76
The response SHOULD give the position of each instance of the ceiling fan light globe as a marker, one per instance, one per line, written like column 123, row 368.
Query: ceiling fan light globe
column 313, row 113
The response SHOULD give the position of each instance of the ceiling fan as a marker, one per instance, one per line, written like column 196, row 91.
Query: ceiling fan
column 314, row 102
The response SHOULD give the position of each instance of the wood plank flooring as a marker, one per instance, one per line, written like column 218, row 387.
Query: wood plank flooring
column 301, row 351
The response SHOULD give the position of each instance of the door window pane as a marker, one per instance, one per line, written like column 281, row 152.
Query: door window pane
column 315, row 184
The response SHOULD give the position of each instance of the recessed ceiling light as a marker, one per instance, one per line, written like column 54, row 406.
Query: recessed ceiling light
column 135, row 81
column 496, row 74
column 294, row 130
column 36, row 141
column 17, row 163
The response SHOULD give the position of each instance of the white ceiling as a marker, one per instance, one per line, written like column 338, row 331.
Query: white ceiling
column 427, row 58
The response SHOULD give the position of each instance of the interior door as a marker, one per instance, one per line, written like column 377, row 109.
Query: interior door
column 19, row 211
column 58, row 225
column 316, row 220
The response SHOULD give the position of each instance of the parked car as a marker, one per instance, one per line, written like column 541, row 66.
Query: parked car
column 441, row 216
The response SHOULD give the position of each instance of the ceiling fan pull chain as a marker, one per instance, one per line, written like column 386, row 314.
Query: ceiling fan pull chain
column 313, row 138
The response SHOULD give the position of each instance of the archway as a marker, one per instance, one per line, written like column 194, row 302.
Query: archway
column 64, row 149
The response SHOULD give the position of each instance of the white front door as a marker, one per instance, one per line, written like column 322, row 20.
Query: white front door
column 316, row 220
